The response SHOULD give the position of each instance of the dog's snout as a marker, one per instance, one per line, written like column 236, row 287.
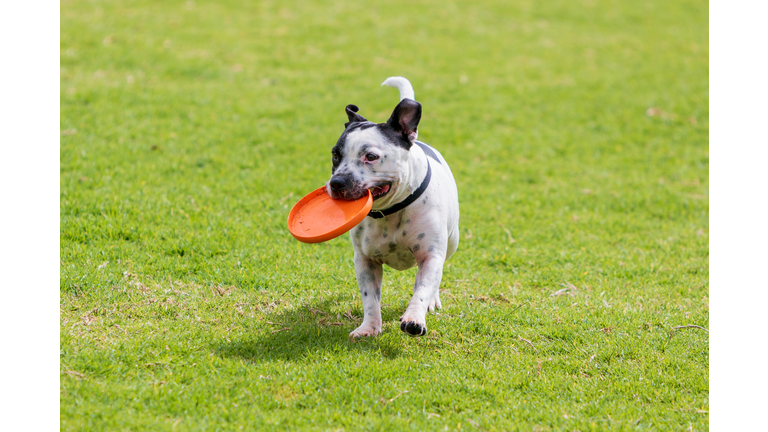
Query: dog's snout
column 338, row 184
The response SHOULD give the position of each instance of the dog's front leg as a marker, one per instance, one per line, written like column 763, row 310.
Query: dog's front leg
column 369, row 278
column 425, row 295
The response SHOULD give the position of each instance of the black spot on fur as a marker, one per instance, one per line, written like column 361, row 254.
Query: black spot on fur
column 431, row 249
column 367, row 239
column 392, row 247
column 384, row 235
column 365, row 294
column 338, row 149
column 407, row 221
column 360, row 126
column 416, row 247
column 393, row 136
column 421, row 263
column 404, row 233
column 364, row 278
column 371, row 266
column 420, row 236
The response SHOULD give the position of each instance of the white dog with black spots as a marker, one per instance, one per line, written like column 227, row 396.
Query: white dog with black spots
column 415, row 214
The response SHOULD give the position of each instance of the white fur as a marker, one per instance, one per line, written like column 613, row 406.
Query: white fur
column 402, row 84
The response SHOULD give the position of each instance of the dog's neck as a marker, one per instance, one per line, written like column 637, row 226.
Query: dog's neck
column 417, row 170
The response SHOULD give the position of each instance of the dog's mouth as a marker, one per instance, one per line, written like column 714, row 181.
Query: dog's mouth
column 379, row 191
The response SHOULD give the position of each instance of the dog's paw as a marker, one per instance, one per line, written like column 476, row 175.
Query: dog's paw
column 413, row 327
column 365, row 331
column 435, row 304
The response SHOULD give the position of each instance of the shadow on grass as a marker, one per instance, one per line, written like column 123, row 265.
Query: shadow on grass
column 306, row 333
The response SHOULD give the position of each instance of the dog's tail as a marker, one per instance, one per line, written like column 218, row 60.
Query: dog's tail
column 402, row 84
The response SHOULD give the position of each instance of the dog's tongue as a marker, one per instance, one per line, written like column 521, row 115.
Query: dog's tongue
column 380, row 190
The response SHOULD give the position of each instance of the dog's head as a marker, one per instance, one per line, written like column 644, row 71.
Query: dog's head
column 371, row 156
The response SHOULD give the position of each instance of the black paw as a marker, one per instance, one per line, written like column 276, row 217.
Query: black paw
column 413, row 328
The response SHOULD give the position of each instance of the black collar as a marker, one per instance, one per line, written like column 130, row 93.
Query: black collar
column 378, row 214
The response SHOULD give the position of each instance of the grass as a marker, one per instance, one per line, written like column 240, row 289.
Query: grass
column 578, row 136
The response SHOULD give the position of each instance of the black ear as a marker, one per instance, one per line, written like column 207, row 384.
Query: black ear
column 405, row 119
column 354, row 117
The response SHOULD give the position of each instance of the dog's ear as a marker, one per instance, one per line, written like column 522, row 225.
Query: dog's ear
column 405, row 119
column 354, row 117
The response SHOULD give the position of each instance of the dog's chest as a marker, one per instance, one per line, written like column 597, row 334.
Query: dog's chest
column 385, row 241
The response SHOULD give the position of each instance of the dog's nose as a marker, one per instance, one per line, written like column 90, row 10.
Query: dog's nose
column 338, row 184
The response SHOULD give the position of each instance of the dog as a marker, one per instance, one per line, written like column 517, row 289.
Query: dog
column 415, row 215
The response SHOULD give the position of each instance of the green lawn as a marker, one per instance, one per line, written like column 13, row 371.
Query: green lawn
column 578, row 135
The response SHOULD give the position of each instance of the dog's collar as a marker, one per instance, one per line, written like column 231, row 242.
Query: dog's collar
column 378, row 214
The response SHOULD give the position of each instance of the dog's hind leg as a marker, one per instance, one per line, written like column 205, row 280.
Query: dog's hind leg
column 369, row 278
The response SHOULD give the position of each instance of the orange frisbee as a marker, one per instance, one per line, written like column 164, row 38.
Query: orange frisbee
column 317, row 217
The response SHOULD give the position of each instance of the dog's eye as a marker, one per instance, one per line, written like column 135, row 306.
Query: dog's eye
column 370, row 157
